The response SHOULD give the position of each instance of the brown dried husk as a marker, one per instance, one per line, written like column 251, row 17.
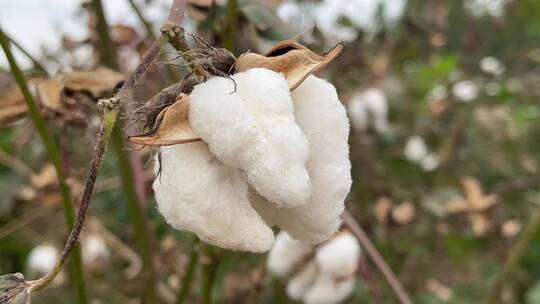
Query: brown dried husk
column 293, row 60
column 172, row 126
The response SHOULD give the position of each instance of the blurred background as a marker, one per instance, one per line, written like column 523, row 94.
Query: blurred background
column 443, row 98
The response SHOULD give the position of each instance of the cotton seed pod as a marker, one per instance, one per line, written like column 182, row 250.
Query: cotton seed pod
column 339, row 256
column 248, row 122
column 293, row 60
column 197, row 192
column 328, row 290
column 286, row 254
column 322, row 117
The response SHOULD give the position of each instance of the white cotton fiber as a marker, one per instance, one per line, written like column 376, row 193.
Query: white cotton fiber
column 328, row 290
column 286, row 253
column 323, row 119
column 196, row 192
column 42, row 259
column 300, row 283
column 339, row 256
column 94, row 249
column 253, row 128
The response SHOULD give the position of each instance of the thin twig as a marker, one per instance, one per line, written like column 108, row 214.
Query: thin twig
column 23, row 220
column 16, row 165
column 210, row 263
column 232, row 17
column 37, row 65
column 398, row 290
column 367, row 277
column 190, row 273
column 54, row 155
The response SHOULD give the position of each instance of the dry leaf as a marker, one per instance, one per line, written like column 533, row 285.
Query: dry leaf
column 50, row 93
column 172, row 126
column 199, row 9
column 293, row 60
column 47, row 177
column 439, row 290
column 404, row 213
column 382, row 209
column 99, row 82
column 511, row 228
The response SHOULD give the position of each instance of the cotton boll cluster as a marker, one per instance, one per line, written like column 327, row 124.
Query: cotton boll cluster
column 268, row 157
column 369, row 109
column 465, row 90
column 416, row 151
column 322, row 275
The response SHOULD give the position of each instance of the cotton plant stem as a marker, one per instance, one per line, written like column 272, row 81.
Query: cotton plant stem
column 173, row 77
column 514, row 256
column 189, row 275
column 37, row 65
column 210, row 264
column 395, row 285
column 53, row 153
column 232, row 17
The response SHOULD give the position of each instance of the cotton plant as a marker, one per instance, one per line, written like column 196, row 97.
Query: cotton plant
column 264, row 146
column 324, row 274
column 369, row 108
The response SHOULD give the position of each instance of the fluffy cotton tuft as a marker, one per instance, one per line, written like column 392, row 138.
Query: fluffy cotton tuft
column 328, row 290
column 339, row 256
column 286, row 253
column 197, row 192
column 42, row 259
column 300, row 283
column 465, row 90
column 248, row 123
column 322, row 117
column 369, row 107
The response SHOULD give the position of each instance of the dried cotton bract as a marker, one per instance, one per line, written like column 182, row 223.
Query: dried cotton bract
column 318, row 275
column 268, row 156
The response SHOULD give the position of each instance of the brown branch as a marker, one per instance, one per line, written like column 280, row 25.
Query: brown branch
column 398, row 290
column 367, row 276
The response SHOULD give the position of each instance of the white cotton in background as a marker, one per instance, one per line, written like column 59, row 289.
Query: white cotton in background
column 196, row 192
column 94, row 249
column 300, row 283
column 339, row 256
column 430, row 162
column 323, row 119
column 479, row 8
column 415, row 149
column 254, row 129
column 42, row 259
column 286, row 253
column 328, row 290
column 369, row 108
column 492, row 65
column 465, row 90
column 438, row 92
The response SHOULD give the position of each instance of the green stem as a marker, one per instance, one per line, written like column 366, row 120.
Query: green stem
column 37, row 65
column 232, row 17
column 190, row 273
column 54, row 155
column 210, row 264
column 110, row 57
column 515, row 256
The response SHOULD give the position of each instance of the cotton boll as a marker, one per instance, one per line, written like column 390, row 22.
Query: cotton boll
column 196, row 192
column 377, row 105
column 492, row 65
column 430, row 162
column 300, row 283
column 323, row 119
column 328, row 290
column 253, row 128
column 415, row 149
column 286, row 253
column 94, row 249
column 339, row 256
column 42, row 259
column 465, row 90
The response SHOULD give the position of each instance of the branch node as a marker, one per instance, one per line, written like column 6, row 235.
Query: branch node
column 109, row 103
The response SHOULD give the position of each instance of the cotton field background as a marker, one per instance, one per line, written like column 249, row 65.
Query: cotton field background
column 274, row 151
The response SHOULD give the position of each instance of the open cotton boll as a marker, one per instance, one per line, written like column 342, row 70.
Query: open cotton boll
column 196, row 192
column 377, row 105
column 415, row 149
column 339, row 256
column 286, row 253
column 42, row 259
column 358, row 113
column 94, row 249
column 328, row 290
column 253, row 128
column 300, row 283
column 323, row 119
